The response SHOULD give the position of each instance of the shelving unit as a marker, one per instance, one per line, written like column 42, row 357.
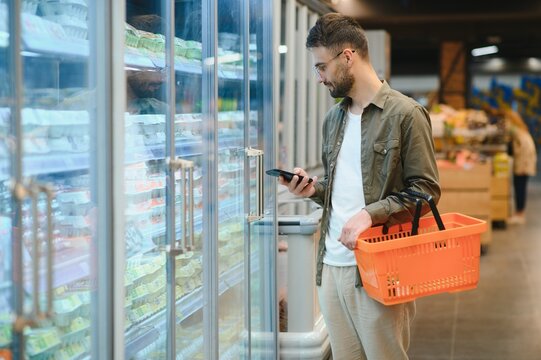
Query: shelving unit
column 84, row 140
column 188, row 305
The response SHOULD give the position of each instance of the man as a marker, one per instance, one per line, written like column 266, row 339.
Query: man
column 375, row 141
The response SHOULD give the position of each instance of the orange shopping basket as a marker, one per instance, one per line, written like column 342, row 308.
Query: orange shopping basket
column 431, row 255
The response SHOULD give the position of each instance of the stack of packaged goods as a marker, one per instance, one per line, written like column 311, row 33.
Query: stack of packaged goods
column 70, row 14
column 145, row 286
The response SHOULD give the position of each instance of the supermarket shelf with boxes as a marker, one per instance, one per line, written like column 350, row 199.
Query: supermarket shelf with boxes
column 53, row 142
column 66, row 25
column 189, row 342
column 475, row 170
column 145, row 288
column 144, row 331
column 72, row 240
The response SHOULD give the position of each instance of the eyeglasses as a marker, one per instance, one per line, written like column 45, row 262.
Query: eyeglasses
column 321, row 67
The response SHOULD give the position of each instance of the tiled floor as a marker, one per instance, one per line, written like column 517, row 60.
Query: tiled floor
column 501, row 319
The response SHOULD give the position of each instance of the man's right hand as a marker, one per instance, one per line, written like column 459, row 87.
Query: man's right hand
column 303, row 188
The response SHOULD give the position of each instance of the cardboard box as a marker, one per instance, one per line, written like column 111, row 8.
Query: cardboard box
column 500, row 186
column 465, row 202
column 499, row 208
column 467, row 191
column 477, row 176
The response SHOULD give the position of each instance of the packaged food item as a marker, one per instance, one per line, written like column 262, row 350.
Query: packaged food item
column 137, row 171
column 194, row 51
column 42, row 342
column 36, row 145
column 74, row 202
column 131, row 35
column 74, row 27
column 74, row 226
column 36, row 27
column 153, row 42
column 76, row 331
column 66, row 309
column 180, row 47
column 72, row 8
column 5, row 333
column 501, row 164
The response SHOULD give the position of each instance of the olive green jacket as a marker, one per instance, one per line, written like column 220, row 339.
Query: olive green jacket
column 397, row 152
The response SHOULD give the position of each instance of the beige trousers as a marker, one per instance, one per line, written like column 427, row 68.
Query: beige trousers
column 360, row 327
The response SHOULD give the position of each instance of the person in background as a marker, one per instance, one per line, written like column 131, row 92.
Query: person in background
column 524, row 155
column 375, row 141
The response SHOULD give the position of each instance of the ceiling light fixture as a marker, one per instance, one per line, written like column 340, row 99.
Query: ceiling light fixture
column 487, row 50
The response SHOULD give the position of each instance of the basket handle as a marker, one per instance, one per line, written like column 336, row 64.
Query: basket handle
column 431, row 203
column 416, row 216
column 418, row 197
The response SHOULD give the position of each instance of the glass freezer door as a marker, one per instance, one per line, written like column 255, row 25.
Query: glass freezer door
column 146, row 178
column 7, row 311
column 262, row 232
column 163, row 178
column 53, row 210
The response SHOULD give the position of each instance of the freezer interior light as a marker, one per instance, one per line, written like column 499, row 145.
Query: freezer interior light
column 282, row 49
column 486, row 50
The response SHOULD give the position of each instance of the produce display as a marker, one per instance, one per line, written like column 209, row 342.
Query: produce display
column 466, row 126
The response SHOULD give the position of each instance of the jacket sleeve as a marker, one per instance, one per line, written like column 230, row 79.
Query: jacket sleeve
column 420, row 172
column 321, row 184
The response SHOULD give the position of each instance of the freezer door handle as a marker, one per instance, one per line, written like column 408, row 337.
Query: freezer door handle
column 186, row 168
column 49, row 193
column 36, row 250
column 258, row 155
column 32, row 191
column 35, row 190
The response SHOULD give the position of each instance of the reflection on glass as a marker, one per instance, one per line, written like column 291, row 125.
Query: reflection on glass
column 189, row 127
column 145, row 181
column 6, row 215
column 57, row 127
column 262, row 296
column 231, row 158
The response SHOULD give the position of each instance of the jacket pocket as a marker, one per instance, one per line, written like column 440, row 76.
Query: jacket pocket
column 386, row 156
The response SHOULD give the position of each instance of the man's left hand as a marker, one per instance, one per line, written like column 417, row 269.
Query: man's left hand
column 355, row 226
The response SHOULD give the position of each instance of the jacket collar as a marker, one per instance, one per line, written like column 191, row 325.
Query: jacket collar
column 378, row 100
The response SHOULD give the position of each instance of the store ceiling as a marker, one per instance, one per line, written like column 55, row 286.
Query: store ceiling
column 417, row 27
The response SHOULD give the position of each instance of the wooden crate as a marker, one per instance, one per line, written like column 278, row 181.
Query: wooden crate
column 467, row 190
column 500, row 202
column 474, row 177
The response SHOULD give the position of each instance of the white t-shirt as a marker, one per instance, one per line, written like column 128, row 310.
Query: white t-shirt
column 347, row 193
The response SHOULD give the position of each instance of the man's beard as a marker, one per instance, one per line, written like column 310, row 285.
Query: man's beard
column 342, row 85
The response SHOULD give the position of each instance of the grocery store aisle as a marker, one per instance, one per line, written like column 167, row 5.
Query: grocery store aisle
column 499, row 320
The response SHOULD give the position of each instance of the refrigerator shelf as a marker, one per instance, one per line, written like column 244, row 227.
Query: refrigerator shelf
column 66, row 162
column 186, row 306
column 36, row 43
column 72, row 265
column 225, row 207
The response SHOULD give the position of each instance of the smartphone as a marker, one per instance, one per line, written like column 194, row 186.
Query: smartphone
column 285, row 174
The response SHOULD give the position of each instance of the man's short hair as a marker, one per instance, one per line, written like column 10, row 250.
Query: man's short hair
column 335, row 31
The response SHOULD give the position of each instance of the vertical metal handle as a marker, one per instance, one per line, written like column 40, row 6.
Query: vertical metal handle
column 33, row 191
column 186, row 168
column 192, row 206
column 258, row 155
column 174, row 165
column 187, row 210
column 183, row 212
column 48, row 191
